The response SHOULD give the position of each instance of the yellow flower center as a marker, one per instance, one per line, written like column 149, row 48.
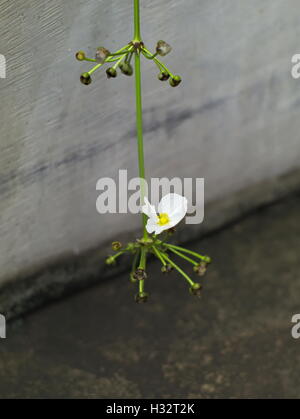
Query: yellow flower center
column 163, row 219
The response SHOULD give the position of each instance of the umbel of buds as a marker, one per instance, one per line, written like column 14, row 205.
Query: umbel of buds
column 101, row 54
column 162, row 48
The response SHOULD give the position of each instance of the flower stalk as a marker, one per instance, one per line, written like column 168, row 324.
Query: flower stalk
column 153, row 223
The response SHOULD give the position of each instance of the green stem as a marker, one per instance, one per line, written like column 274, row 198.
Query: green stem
column 115, row 66
column 179, row 270
column 182, row 249
column 142, row 265
column 193, row 262
column 134, row 263
column 159, row 255
column 146, row 55
column 139, row 112
column 137, row 25
column 159, row 63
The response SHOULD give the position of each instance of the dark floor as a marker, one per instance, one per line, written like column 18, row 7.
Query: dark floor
column 234, row 342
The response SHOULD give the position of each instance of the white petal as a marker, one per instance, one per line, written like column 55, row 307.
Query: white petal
column 176, row 218
column 153, row 227
column 149, row 209
column 174, row 205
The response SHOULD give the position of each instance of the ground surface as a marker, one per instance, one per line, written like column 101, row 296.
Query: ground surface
column 234, row 342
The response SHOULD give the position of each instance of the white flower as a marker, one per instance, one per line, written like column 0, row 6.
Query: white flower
column 171, row 210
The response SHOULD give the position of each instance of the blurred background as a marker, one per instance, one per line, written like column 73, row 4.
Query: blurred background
column 234, row 121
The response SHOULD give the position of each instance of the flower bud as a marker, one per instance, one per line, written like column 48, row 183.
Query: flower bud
column 201, row 268
column 163, row 76
column 141, row 297
column 207, row 259
column 80, row 55
column 196, row 290
column 175, row 81
column 162, row 48
column 110, row 260
column 166, row 269
column 126, row 69
column 140, row 274
column 116, row 246
column 111, row 73
column 86, row 79
column 101, row 54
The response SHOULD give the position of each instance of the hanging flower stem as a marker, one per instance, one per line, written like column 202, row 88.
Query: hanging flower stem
column 149, row 243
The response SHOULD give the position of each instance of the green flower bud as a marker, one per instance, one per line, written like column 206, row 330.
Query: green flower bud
column 110, row 260
column 175, row 81
column 207, row 259
column 163, row 76
column 80, row 55
column 196, row 290
column 111, row 73
column 126, row 69
column 141, row 297
column 101, row 54
column 116, row 246
column 166, row 269
column 86, row 79
column 162, row 48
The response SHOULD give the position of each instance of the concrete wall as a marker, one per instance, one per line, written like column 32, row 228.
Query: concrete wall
column 234, row 120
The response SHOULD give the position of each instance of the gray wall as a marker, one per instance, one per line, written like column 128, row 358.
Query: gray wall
column 234, row 120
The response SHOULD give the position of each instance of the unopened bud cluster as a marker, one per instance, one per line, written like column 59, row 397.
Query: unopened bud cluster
column 122, row 59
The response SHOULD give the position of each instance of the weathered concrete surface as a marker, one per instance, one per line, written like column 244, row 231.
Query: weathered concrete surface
column 234, row 342
column 234, row 120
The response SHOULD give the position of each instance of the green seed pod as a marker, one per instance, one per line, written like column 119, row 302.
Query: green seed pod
column 101, row 54
column 163, row 76
column 162, row 48
column 141, row 297
column 80, row 55
column 86, row 79
column 111, row 73
column 175, row 81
